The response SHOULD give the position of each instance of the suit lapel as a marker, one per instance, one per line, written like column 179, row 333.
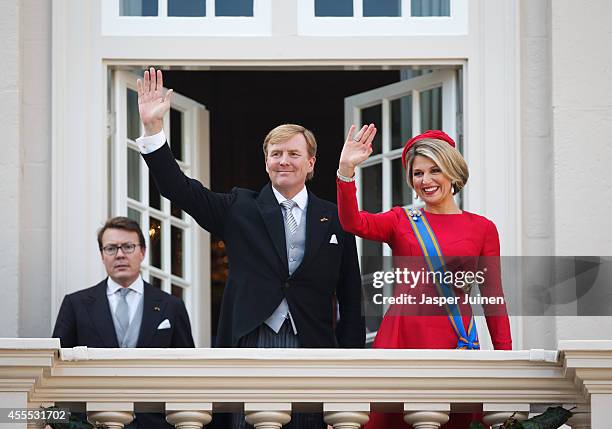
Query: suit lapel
column 100, row 314
column 152, row 310
column 316, row 228
column 272, row 216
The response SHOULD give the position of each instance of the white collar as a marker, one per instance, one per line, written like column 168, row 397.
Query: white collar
column 112, row 286
column 301, row 198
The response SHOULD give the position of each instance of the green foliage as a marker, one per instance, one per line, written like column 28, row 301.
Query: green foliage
column 552, row 418
column 75, row 421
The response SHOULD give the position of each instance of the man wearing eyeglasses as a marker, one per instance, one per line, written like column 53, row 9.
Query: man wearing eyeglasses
column 123, row 310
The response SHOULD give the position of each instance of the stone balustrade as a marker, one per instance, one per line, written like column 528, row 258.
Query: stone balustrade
column 191, row 385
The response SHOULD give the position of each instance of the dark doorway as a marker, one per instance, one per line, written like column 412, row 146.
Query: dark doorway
column 245, row 105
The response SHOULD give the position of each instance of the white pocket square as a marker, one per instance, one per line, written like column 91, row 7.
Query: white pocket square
column 164, row 325
column 333, row 239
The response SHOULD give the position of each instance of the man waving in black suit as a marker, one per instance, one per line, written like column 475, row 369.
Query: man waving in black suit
column 289, row 258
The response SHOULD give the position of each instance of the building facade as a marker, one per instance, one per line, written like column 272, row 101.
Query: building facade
column 524, row 86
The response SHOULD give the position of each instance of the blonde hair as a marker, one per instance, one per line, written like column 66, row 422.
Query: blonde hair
column 284, row 132
column 445, row 156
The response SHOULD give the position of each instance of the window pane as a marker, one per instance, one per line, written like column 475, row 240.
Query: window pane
column 382, row 8
column 430, row 8
column 134, row 215
column 138, row 8
column 177, row 291
column 401, row 121
column 373, row 115
column 155, row 240
column 234, row 7
column 154, row 196
column 133, row 170
column 333, row 7
column 186, row 7
column 176, row 252
column 371, row 179
column 431, row 109
column 402, row 193
column 133, row 118
column 156, row 282
column 176, row 211
column 176, row 133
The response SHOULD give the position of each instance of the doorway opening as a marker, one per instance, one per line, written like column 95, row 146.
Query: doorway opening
column 244, row 105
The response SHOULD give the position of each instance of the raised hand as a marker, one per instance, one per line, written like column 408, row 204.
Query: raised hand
column 152, row 102
column 356, row 149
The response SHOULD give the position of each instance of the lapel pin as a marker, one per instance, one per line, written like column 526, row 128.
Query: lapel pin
column 324, row 219
column 156, row 308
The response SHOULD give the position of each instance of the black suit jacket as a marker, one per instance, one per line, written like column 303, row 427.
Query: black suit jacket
column 85, row 319
column 251, row 225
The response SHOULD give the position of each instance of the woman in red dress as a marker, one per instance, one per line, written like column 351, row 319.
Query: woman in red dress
column 436, row 171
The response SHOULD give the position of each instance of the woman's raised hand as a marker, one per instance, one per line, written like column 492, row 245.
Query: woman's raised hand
column 357, row 148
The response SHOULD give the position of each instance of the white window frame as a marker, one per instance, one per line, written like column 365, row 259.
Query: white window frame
column 194, row 241
column 260, row 24
column 404, row 25
column 447, row 80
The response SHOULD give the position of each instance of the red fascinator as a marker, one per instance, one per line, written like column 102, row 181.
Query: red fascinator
column 431, row 134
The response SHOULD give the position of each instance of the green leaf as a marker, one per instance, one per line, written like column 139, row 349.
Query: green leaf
column 476, row 425
column 552, row 418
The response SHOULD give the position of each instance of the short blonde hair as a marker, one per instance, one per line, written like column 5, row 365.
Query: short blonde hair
column 445, row 156
column 284, row 132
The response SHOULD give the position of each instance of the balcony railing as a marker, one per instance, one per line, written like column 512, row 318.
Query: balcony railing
column 191, row 385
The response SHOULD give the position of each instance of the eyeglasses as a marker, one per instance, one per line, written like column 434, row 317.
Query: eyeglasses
column 111, row 249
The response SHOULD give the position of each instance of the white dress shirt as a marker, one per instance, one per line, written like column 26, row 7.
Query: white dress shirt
column 133, row 298
column 148, row 144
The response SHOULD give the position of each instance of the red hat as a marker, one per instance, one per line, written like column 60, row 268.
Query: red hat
column 431, row 134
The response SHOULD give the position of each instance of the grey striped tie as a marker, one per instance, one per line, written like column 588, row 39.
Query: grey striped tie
column 122, row 313
column 289, row 219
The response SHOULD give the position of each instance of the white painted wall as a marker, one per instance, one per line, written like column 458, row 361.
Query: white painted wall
column 10, row 171
column 582, row 130
column 582, row 126
column 35, row 203
column 536, row 159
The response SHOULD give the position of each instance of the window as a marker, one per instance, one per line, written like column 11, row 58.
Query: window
column 171, row 235
column 185, row 17
column 186, row 7
column 166, row 228
column 381, row 8
column 383, row 17
column 399, row 110
column 139, row 8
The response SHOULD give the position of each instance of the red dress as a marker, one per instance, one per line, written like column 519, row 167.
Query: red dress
column 464, row 234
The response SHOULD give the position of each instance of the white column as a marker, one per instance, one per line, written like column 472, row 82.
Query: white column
column 496, row 414
column 346, row 415
column 601, row 410
column 426, row 415
column 267, row 415
column 189, row 415
column 114, row 415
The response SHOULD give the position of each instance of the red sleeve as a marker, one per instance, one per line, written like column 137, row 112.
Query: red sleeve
column 496, row 315
column 377, row 227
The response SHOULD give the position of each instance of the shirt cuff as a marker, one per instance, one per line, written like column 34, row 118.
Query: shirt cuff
column 148, row 144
